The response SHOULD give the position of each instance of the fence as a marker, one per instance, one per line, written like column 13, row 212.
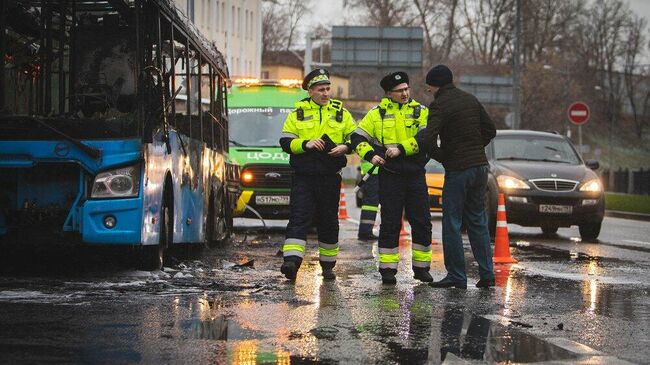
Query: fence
column 627, row 181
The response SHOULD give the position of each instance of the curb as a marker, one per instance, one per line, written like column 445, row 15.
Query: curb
column 627, row 215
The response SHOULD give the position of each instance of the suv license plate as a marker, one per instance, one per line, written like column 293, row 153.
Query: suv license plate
column 557, row 209
column 272, row 200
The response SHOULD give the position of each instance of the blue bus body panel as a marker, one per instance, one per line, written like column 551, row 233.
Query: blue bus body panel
column 85, row 215
column 28, row 153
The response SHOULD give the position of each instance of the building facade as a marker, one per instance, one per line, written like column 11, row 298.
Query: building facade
column 236, row 28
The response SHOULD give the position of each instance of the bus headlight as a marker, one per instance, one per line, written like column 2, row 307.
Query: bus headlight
column 119, row 183
column 592, row 186
column 508, row 182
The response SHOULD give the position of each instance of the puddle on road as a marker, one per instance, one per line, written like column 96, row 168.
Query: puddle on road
column 476, row 338
column 452, row 330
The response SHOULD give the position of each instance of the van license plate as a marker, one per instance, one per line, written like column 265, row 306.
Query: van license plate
column 272, row 200
column 555, row 209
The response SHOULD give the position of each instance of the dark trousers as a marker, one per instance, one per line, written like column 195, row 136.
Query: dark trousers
column 314, row 197
column 463, row 200
column 370, row 205
column 403, row 193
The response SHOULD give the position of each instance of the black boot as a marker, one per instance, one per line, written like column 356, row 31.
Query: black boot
column 328, row 270
column 422, row 274
column 388, row 276
column 290, row 267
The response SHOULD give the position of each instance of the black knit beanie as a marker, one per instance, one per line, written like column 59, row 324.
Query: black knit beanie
column 439, row 75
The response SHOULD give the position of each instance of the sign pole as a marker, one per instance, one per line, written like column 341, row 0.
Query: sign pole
column 580, row 138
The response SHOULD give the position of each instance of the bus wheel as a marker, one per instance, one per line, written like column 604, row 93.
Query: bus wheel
column 152, row 256
column 218, row 229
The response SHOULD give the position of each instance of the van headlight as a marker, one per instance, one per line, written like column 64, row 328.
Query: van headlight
column 119, row 183
column 509, row 182
column 592, row 186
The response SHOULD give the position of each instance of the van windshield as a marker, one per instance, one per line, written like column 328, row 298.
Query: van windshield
column 256, row 126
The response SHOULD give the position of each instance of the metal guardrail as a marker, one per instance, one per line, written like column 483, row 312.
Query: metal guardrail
column 627, row 181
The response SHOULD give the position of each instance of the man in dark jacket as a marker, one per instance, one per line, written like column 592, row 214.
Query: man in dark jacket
column 464, row 128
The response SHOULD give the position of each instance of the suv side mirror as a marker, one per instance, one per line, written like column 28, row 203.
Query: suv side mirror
column 592, row 164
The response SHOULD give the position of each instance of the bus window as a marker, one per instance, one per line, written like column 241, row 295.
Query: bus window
column 194, row 87
column 167, row 69
column 181, row 117
column 205, row 103
column 220, row 128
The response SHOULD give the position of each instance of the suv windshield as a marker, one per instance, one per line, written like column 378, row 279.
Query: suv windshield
column 534, row 148
column 259, row 127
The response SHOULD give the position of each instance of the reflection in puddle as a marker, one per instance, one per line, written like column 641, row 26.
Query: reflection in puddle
column 476, row 338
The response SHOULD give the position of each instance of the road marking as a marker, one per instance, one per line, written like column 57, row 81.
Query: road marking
column 633, row 241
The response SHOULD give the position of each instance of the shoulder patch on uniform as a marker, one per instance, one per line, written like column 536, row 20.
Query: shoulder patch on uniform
column 336, row 104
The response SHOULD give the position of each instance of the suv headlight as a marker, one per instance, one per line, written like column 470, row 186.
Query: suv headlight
column 509, row 182
column 592, row 186
column 119, row 183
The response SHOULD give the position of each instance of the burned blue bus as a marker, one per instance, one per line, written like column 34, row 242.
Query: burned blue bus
column 113, row 127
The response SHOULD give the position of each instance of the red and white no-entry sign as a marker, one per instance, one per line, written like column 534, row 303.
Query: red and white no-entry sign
column 578, row 113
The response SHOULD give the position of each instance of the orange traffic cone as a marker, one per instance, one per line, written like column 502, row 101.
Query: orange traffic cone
column 343, row 210
column 501, row 240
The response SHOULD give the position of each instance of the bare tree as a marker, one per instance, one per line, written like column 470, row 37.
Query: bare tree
column 548, row 28
column 603, row 30
column 634, row 79
column 384, row 13
column 487, row 30
column 296, row 10
column 438, row 18
column 273, row 33
column 280, row 22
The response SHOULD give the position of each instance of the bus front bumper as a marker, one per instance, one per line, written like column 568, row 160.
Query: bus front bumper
column 112, row 222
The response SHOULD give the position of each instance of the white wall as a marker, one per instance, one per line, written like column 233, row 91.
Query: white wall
column 235, row 26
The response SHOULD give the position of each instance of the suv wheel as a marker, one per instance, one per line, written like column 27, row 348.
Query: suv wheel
column 590, row 231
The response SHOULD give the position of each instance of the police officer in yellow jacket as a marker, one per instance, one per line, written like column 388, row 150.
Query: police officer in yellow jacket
column 315, row 136
column 385, row 137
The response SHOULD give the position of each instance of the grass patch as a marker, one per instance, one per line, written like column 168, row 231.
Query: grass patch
column 628, row 202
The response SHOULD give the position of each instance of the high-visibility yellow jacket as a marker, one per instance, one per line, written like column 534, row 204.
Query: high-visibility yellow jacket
column 308, row 121
column 390, row 124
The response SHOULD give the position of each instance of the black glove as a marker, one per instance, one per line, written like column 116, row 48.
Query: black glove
column 329, row 144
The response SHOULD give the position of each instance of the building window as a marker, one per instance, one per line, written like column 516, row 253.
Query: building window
column 265, row 75
column 250, row 30
column 190, row 9
column 239, row 22
column 232, row 22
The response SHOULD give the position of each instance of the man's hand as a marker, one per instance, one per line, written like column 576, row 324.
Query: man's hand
column 393, row 152
column 338, row 150
column 377, row 160
column 316, row 144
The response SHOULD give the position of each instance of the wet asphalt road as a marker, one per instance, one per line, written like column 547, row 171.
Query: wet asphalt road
column 565, row 302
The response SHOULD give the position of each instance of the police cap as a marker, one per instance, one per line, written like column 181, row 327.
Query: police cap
column 391, row 80
column 317, row 76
